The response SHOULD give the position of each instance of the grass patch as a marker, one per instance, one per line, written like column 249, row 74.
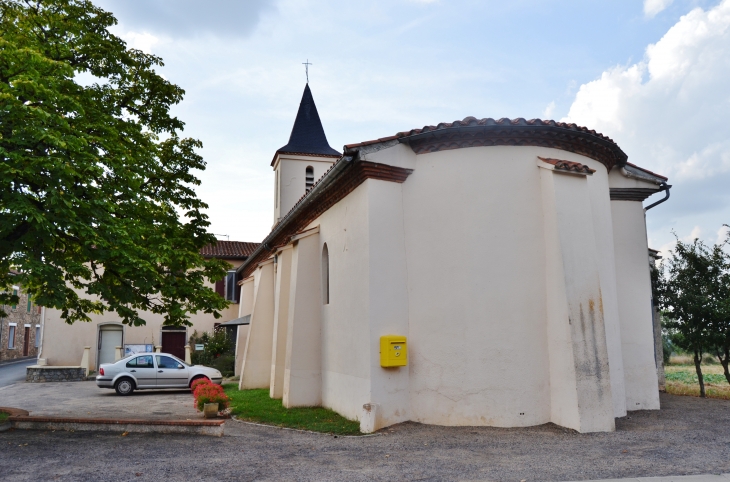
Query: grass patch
column 682, row 380
column 257, row 406
column 3, row 416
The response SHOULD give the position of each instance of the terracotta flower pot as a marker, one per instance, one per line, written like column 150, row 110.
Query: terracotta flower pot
column 210, row 410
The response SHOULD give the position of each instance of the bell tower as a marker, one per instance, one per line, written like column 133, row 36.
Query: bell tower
column 305, row 159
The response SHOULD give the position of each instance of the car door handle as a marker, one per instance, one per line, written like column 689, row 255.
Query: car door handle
column 159, row 371
column 133, row 371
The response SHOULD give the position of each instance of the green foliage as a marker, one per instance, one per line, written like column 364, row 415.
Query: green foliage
column 257, row 406
column 691, row 377
column 667, row 347
column 218, row 352
column 3, row 416
column 97, row 207
column 693, row 289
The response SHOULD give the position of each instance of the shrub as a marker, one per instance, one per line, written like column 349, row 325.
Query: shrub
column 225, row 364
column 210, row 393
column 216, row 346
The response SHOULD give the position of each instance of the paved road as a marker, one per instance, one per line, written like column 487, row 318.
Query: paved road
column 85, row 399
column 14, row 372
column 688, row 436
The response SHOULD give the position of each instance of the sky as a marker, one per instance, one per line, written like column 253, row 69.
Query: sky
column 652, row 75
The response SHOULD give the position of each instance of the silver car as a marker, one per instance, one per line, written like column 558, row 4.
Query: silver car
column 152, row 370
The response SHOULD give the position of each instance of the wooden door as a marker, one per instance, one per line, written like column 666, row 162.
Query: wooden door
column 26, row 341
column 173, row 342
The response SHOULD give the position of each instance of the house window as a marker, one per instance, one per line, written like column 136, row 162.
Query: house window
column 30, row 304
column 11, row 336
column 37, row 336
column 231, row 285
column 309, row 178
column 325, row 275
column 14, row 307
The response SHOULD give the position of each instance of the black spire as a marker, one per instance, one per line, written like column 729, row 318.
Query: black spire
column 307, row 135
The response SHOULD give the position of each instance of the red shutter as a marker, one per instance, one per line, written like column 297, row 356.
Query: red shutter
column 220, row 287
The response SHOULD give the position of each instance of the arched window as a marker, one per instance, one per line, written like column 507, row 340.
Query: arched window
column 325, row 275
column 309, row 178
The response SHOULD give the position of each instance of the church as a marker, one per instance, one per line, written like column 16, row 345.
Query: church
column 479, row 272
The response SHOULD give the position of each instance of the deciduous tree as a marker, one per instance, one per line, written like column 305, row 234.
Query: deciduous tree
column 97, row 204
column 686, row 294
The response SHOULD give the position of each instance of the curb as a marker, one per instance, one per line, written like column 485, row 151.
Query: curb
column 20, row 419
column 233, row 417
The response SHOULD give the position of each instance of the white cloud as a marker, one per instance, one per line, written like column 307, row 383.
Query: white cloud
column 549, row 110
column 142, row 41
column 669, row 113
column 653, row 7
column 669, row 110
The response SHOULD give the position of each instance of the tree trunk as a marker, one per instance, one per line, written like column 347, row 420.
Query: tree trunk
column 698, row 369
column 725, row 361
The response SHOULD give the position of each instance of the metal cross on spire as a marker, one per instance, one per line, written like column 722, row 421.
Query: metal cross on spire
column 306, row 68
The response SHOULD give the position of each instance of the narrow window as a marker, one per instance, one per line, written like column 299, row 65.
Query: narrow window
column 11, row 337
column 14, row 307
column 325, row 275
column 309, row 178
column 37, row 336
column 30, row 304
column 230, row 286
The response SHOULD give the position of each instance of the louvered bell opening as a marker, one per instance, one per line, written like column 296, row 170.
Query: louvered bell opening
column 309, row 178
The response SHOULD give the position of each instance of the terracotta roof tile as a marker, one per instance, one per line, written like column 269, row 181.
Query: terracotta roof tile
column 562, row 165
column 520, row 121
column 229, row 249
column 473, row 132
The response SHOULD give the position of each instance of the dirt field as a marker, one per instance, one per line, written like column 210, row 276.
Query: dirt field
column 682, row 380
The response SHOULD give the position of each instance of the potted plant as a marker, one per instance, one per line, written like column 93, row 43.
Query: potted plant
column 209, row 398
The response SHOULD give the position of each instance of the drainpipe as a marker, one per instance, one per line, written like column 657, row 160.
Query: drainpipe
column 662, row 187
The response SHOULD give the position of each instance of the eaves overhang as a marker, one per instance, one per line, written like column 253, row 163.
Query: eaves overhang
column 341, row 179
column 520, row 133
column 473, row 132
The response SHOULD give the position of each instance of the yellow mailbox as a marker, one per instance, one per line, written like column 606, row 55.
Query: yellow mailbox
column 393, row 351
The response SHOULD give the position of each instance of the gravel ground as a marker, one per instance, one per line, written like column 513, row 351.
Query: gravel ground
column 688, row 436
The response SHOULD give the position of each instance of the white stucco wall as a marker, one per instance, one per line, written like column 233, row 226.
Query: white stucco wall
column 634, row 295
column 346, row 352
column 473, row 227
column 290, row 174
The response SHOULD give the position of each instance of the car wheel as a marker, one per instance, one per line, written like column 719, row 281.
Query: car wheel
column 125, row 386
column 195, row 379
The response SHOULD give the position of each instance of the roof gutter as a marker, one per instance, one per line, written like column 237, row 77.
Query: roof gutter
column 639, row 177
column 663, row 187
column 266, row 245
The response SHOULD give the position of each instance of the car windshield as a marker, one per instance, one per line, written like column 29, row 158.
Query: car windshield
column 185, row 364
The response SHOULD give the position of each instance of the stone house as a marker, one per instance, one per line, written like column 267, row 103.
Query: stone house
column 21, row 328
